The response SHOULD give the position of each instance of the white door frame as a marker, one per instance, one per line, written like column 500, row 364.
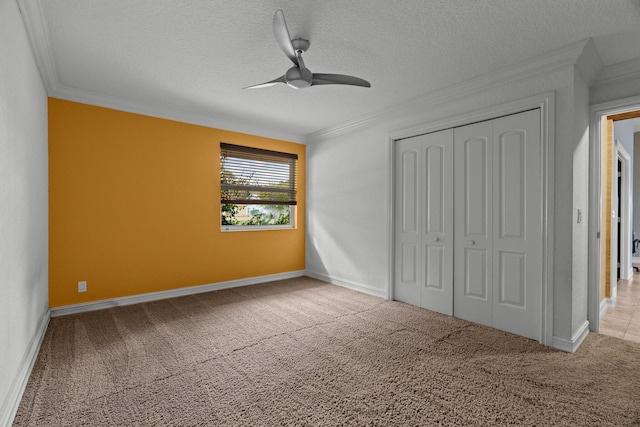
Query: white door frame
column 598, row 111
column 620, row 153
column 546, row 103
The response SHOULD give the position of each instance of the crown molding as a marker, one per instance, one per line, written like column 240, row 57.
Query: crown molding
column 127, row 105
column 582, row 54
column 554, row 60
column 619, row 72
column 589, row 63
column 38, row 32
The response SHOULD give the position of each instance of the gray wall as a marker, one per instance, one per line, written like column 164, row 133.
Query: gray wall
column 23, row 208
column 623, row 132
column 580, row 265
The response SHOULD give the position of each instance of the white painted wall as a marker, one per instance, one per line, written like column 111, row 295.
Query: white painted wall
column 349, row 190
column 23, row 207
column 580, row 276
column 348, row 213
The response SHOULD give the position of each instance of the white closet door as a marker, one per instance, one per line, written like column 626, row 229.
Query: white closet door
column 437, row 223
column 483, row 222
column 408, row 273
column 473, row 258
column 424, row 223
column 517, row 224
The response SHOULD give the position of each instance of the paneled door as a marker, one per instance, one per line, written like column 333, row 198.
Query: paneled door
column 517, row 224
column 468, row 223
column 498, row 223
column 424, row 221
column 473, row 294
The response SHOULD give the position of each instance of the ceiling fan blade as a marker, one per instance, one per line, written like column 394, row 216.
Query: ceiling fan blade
column 282, row 36
column 280, row 79
column 338, row 79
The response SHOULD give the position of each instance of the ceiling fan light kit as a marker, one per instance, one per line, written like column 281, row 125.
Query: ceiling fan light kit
column 299, row 76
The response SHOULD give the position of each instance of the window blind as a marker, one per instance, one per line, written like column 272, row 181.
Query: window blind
column 255, row 176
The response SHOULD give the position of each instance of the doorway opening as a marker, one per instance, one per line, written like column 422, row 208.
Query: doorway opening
column 612, row 231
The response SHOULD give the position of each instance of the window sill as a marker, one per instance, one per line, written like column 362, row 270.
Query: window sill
column 234, row 228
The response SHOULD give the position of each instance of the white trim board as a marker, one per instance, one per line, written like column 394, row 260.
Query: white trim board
column 619, row 72
column 171, row 293
column 37, row 29
column 605, row 305
column 554, row 60
column 9, row 407
column 169, row 113
column 583, row 54
column 349, row 284
column 572, row 345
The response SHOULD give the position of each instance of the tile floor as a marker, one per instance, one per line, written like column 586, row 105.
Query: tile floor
column 623, row 318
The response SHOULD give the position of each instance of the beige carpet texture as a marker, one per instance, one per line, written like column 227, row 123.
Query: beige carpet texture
column 302, row 352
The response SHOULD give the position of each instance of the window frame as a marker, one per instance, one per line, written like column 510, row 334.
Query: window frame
column 250, row 154
column 291, row 225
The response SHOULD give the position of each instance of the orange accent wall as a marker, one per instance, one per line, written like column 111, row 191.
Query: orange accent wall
column 134, row 207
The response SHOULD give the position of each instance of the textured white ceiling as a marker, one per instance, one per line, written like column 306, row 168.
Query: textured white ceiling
column 195, row 56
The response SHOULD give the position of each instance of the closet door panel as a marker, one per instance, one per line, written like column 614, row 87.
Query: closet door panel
column 434, row 263
column 473, row 264
column 475, row 274
column 511, row 279
column 437, row 238
column 424, row 221
column 409, row 187
column 517, row 242
column 408, row 274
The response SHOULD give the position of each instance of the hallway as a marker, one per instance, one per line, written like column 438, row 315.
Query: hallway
column 623, row 319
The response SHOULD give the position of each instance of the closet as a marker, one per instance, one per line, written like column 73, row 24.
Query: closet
column 468, row 222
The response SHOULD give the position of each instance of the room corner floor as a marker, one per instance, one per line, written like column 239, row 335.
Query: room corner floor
column 623, row 318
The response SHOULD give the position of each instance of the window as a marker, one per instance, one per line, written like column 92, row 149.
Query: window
column 257, row 188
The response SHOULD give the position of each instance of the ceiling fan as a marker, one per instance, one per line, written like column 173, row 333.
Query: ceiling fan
column 299, row 76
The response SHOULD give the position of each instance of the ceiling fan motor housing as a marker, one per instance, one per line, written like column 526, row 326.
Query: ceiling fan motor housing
column 298, row 78
column 300, row 45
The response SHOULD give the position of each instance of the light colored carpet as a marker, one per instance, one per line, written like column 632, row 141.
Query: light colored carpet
column 303, row 352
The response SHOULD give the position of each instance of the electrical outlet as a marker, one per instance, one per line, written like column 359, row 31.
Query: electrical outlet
column 82, row 286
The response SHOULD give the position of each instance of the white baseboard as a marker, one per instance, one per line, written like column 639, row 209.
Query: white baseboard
column 9, row 407
column 572, row 345
column 349, row 284
column 605, row 305
column 172, row 293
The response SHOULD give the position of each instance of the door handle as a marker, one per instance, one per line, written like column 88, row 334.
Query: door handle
column 437, row 239
column 472, row 242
